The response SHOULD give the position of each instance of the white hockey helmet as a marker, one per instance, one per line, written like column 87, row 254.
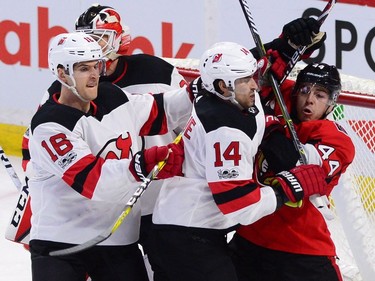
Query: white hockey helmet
column 67, row 49
column 226, row 61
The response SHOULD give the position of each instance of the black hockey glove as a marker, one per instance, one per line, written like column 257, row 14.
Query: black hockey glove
column 195, row 87
column 304, row 32
column 299, row 32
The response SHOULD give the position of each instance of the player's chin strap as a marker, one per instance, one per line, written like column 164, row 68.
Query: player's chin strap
column 73, row 88
column 231, row 98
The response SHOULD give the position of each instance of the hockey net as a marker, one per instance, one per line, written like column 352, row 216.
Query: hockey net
column 352, row 225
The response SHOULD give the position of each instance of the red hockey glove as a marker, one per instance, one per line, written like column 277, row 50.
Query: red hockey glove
column 272, row 62
column 173, row 166
column 300, row 182
column 272, row 124
column 144, row 161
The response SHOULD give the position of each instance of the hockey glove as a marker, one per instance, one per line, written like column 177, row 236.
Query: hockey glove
column 299, row 32
column 272, row 124
column 272, row 62
column 300, row 182
column 195, row 87
column 144, row 161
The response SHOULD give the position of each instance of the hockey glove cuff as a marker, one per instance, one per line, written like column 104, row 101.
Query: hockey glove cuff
column 144, row 161
column 273, row 62
column 194, row 88
column 300, row 182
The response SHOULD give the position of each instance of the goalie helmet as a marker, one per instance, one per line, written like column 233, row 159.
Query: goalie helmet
column 324, row 75
column 104, row 23
column 226, row 61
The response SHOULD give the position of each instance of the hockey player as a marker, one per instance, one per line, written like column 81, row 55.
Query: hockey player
column 87, row 162
column 194, row 213
column 295, row 243
column 137, row 74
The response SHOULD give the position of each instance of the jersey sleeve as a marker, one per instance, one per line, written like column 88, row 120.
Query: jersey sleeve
column 57, row 151
column 160, row 113
column 331, row 143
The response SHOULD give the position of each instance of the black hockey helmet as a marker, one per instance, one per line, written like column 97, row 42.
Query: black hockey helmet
column 86, row 19
column 324, row 75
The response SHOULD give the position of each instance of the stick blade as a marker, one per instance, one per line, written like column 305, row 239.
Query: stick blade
column 81, row 247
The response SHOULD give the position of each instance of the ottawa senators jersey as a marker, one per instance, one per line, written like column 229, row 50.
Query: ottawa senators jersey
column 81, row 163
column 217, row 190
column 304, row 230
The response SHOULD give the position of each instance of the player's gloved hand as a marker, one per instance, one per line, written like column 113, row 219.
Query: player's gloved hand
column 144, row 161
column 195, row 87
column 173, row 166
column 272, row 125
column 272, row 62
column 300, row 182
column 299, row 32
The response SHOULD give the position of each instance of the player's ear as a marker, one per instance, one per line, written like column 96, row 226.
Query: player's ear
column 221, row 87
column 61, row 74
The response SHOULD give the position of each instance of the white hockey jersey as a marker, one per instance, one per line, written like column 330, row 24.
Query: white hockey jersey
column 140, row 74
column 136, row 74
column 218, row 191
column 81, row 162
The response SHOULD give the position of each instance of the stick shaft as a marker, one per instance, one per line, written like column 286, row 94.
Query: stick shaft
column 10, row 170
column 301, row 50
column 128, row 207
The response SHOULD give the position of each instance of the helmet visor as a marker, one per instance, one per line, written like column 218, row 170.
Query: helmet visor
column 317, row 91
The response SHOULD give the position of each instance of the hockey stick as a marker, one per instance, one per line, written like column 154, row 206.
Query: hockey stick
column 11, row 172
column 318, row 202
column 128, row 207
column 19, row 227
column 274, row 84
column 300, row 51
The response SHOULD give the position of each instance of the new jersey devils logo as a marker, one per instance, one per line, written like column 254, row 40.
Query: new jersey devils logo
column 217, row 58
column 119, row 148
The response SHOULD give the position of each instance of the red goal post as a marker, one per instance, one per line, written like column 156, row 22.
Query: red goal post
column 353, row 201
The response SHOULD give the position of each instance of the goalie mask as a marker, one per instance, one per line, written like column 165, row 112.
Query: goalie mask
column 104, row 24
column 226, row 61
column 67, row 49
